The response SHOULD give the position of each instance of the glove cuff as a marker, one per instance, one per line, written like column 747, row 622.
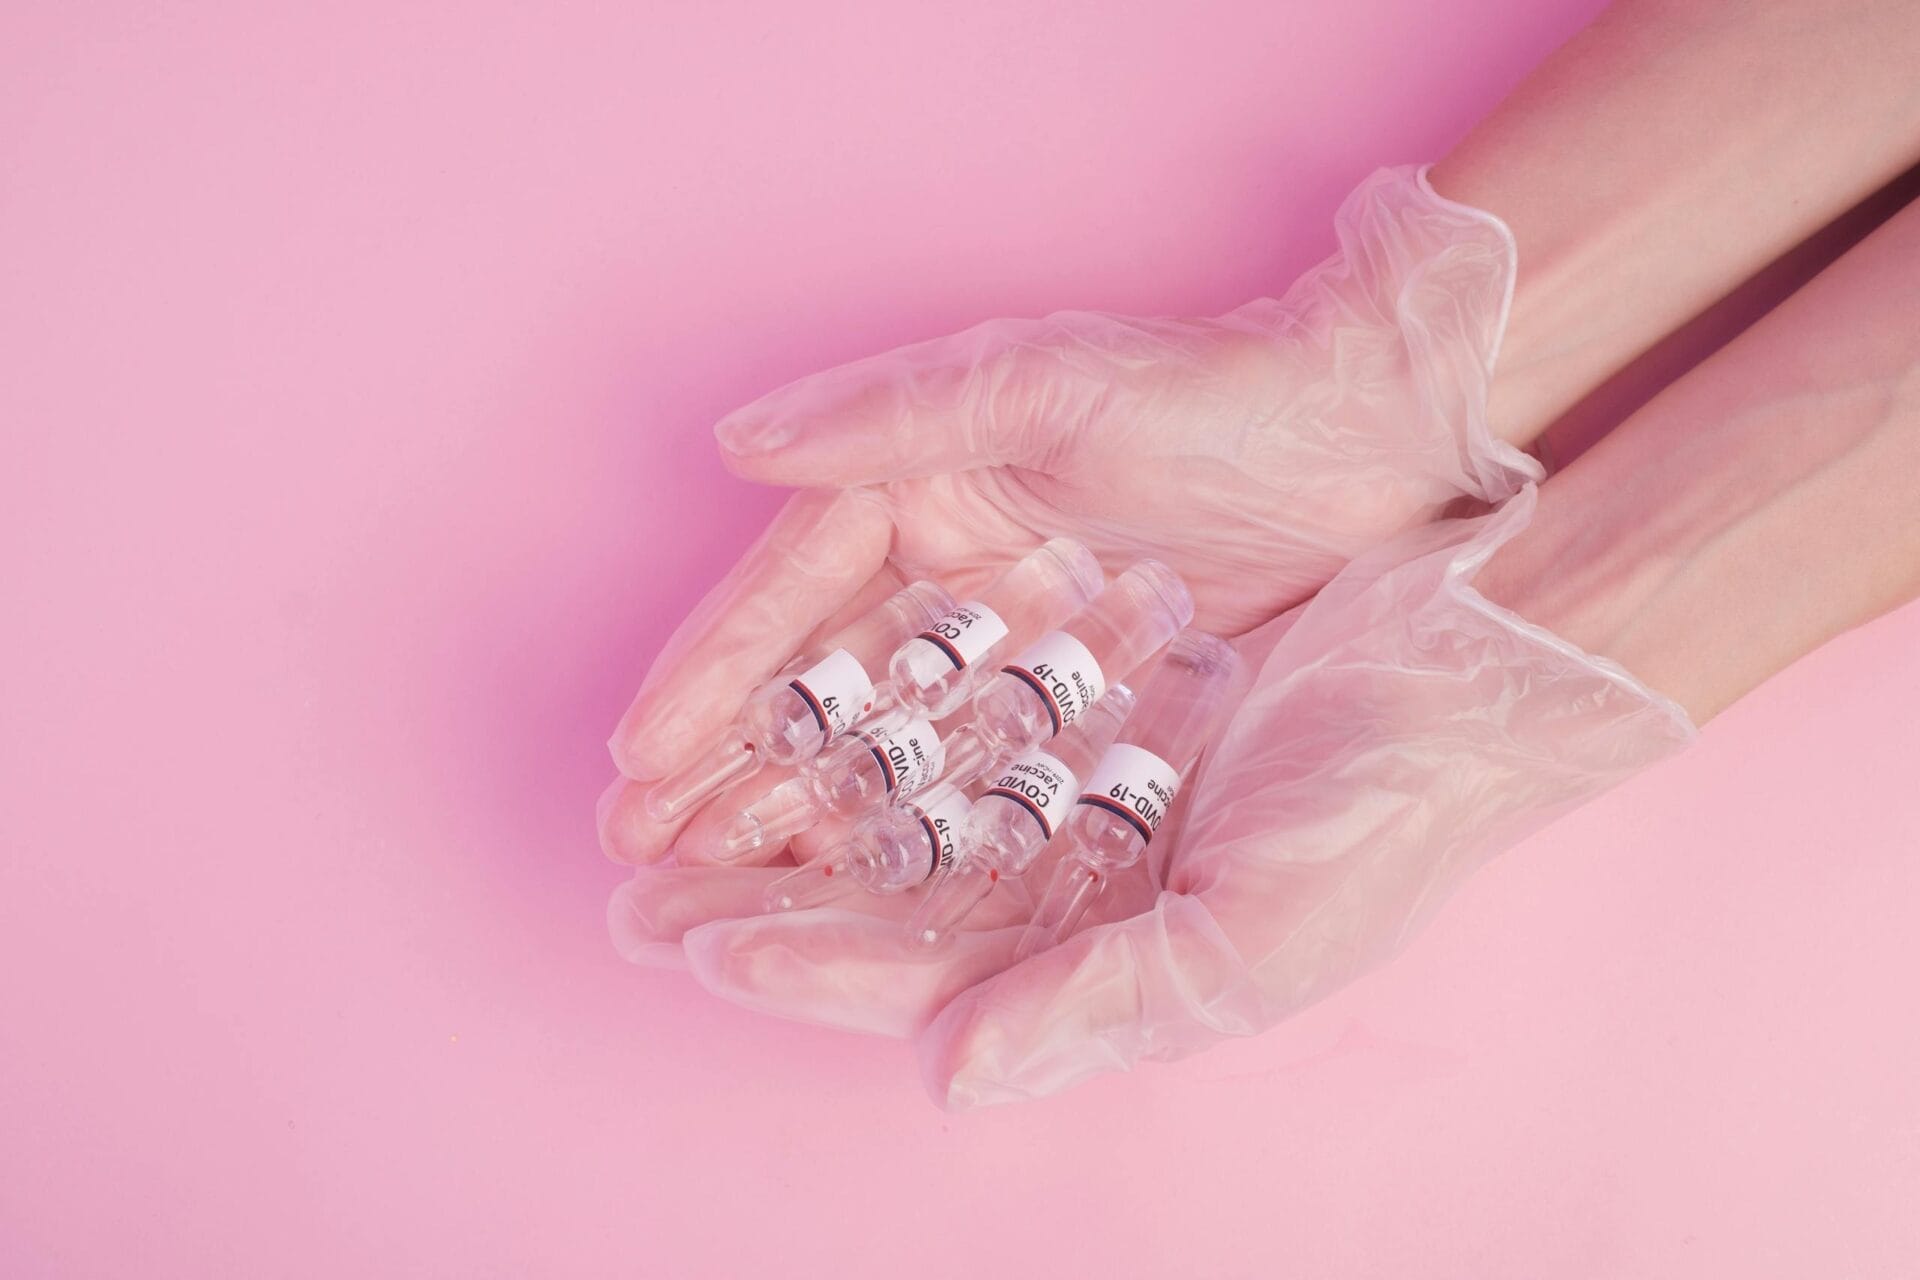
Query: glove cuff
column 1517, row 724
column 1414, row 305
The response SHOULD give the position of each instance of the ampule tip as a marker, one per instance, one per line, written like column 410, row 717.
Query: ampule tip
column 678, row 793
column 818, row 882
column 742, row 836
column 1033, row 940
column 775, row 817
column 951, row 900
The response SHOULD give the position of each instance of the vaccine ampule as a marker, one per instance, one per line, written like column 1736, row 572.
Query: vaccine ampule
column 1063, row 673
column 880, row 762
column 889, row 851
column 1136, row 780
column 813, row 700
column 937, row 670
column 1026, row 800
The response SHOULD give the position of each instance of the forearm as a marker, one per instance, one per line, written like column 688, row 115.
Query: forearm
column 1763, row 504
column 1666, row 154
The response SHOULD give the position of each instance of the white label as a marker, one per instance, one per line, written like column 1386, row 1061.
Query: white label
column 1041, row 784
column 942, row 820
column 967, row 631
column 836, row 689
column 1063, row 672
column 1135, row 784
column 910, row 757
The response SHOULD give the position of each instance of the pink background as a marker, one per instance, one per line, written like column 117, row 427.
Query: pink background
column 356, row 366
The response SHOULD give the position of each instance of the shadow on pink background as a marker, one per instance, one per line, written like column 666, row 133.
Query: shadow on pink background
column 357, row 372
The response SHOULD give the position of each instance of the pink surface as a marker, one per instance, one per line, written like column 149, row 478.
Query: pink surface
column 357, row 374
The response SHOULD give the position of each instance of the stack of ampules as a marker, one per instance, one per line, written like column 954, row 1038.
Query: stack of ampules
column 962, row 765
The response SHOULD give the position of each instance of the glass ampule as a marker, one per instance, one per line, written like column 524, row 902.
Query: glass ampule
column 1064, row 672
column 886, row 760
column 1136, row 781
column 937, row 670
column 1026, row 800
column 889, row 851
column 815, row 698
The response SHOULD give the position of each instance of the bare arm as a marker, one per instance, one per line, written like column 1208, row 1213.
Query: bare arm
column 1755, row 509
column 1666, row 154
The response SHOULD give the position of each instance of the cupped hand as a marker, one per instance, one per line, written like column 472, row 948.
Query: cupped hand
column 1254, row 453
column 1398, row 730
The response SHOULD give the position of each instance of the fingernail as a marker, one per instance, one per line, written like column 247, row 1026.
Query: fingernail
column 631, row 742
column 622, row 757
column 746, row 434
column 603, row 819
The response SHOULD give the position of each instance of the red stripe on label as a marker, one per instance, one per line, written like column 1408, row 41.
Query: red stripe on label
column 1026, row 802
column 933, row 843
column 1114, row 806
column 953, row 654
column 886, row 765
column 1039, row 686
column 813, row 705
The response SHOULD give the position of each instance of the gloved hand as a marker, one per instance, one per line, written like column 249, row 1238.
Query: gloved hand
column 1255, row 454
column 1398, row 731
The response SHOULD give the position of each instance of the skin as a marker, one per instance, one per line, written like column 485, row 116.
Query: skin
column 1757, row 508
column 1766, row 501
column 1666, row 154
column 1646, row 169
column 1761, row 504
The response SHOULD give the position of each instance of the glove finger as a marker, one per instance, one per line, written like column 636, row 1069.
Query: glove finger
column 848, row 966
column 633, row 837
column 1397, row 734
column 700, row 841
column 1007, row 392
column 649, row 914
column 628, row 833
column 819, row 555
column 1159, row 985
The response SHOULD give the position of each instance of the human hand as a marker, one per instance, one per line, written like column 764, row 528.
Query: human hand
column 1254, row 453
column 1399, row 729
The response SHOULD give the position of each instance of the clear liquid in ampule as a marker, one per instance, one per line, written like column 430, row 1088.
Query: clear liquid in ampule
column 1131, row 789
column 937, row 670
column 1045, row 689
column 1026, row 800
column 812, row 701
column 888, row 851
column 877, row 764
column 813, row 884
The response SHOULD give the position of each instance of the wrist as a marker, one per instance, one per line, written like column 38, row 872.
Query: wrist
column 1724, row 532
column 1591, row 580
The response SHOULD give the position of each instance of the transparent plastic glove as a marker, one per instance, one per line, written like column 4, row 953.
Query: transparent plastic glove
column 1398, row 730
column 1404, row 730
column 1255, row 453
